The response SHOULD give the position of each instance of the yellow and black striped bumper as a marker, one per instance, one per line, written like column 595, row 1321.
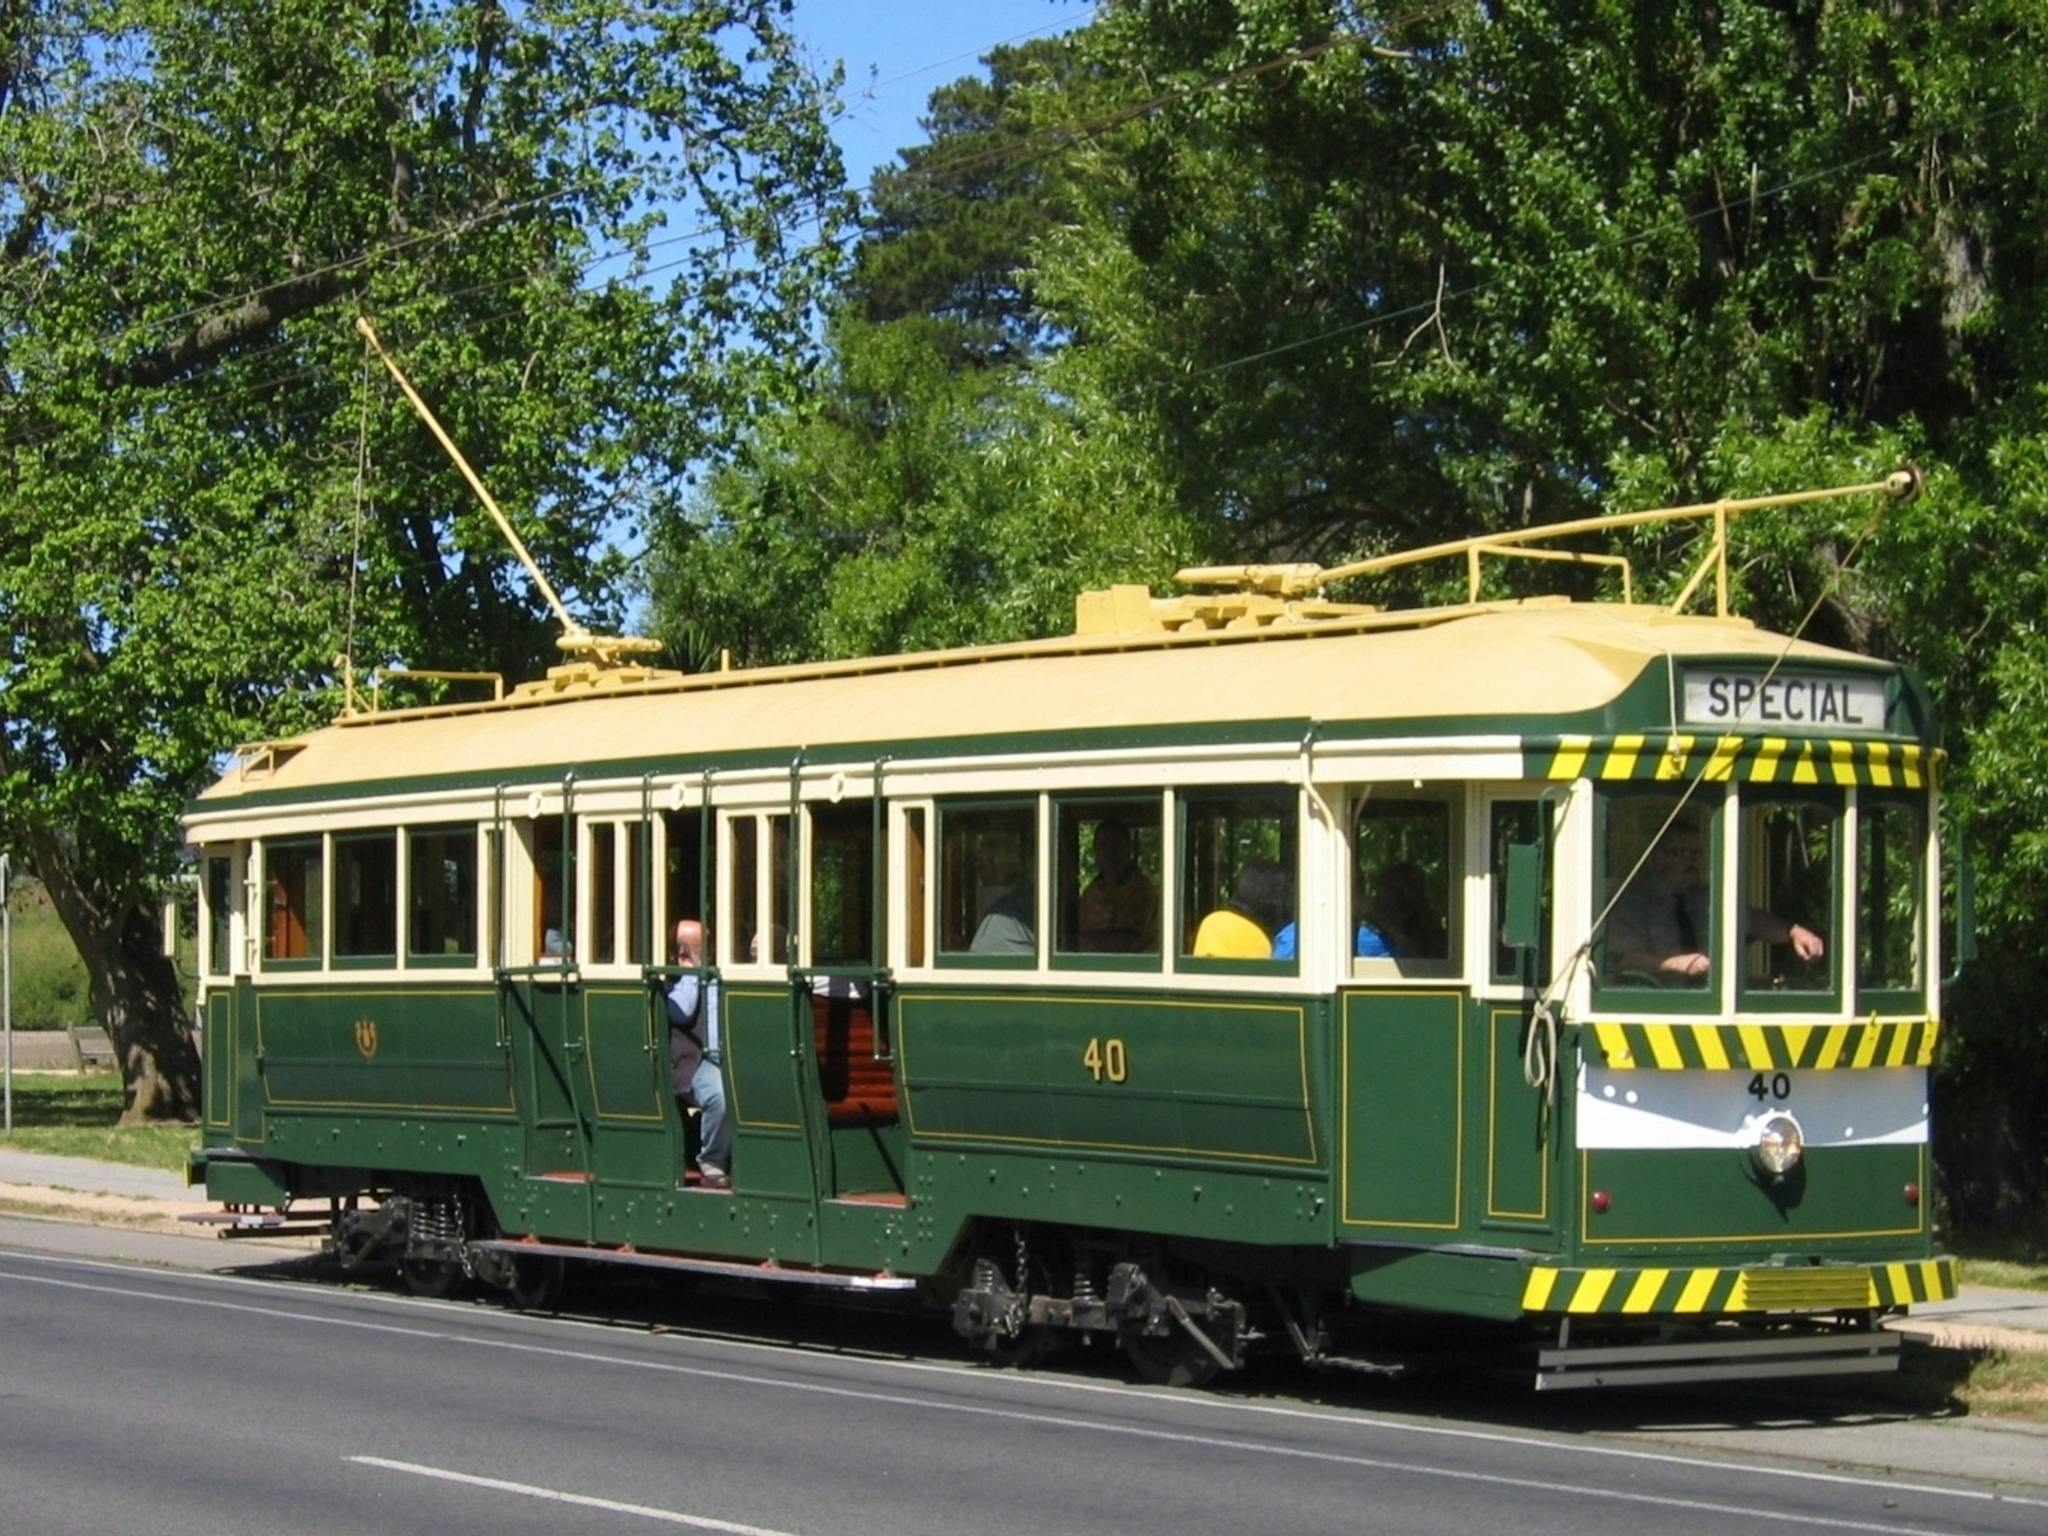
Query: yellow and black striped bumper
column 1765, row 1047
column 1749, row 759
column 1694, row 1292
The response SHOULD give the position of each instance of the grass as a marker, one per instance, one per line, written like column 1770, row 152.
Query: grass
column 73, row 1114
column 2011, row 1274
column 49, row 978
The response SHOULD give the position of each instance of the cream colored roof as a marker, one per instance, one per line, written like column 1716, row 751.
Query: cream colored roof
column 1521, row 660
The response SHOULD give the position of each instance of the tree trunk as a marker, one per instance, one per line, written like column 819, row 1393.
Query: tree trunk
column 132, row 985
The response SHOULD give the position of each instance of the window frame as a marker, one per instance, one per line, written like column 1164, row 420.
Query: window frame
column 1184, row 963
column 1455, row 798
column 1828, row 1000
column 1135, row 962
column 316, row 957
column 1914, row 998
column 1033, row 806
column 442, row 960
column 1610, row 997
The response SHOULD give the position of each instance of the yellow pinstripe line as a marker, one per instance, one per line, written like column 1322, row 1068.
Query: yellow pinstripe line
column 1671, row 764
column 1866, row 1047
column 1756, row 1045
column 1614, row 1044
column 1722, row 767
column 1592, row 1290
column 1697, row 1289
column 1621, row 759
column 1766, row 768
column 1536, row 1295
column 1664, row 1045
column 1831, row 1047
column 1844, row 754
column 1708, row 1038
column 1802, row 769
column 1881, row 764
column 1642, row 1296
column 1571, row 756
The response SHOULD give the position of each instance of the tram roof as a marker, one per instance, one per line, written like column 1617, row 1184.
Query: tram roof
column 1510, row 664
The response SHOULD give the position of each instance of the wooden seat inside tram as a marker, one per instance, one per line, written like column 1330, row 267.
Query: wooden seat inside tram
column 858, row 1089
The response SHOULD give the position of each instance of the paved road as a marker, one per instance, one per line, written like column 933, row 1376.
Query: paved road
column 149, row 1399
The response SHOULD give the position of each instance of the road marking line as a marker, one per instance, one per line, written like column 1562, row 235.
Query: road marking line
column 1165, row 1397
column 584, row 1500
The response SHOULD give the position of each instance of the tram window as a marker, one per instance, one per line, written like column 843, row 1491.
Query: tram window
column 843, row 884
column 603, row 898
column 1658, row 887
column 1788, row 861
column 1891, row 886
column 1106, row 890
column 682, row 874
column 988, row 882
column 294, row 884
column 1238, row 875
column 366, row 896
column 781, row 946
column 913, row 888
column 441, row 893
column 219, row 903
column 551, row 882
column 741, row 892
column 633, row 837
column 1404, row 857
column 1511, row 822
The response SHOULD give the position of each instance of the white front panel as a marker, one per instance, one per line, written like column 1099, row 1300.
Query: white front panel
column 1702, row 1109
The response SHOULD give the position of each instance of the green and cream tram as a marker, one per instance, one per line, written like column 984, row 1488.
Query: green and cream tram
column 1244, row 969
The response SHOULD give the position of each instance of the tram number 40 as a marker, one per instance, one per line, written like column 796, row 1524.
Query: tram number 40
column 1778, row 1086
column 1106, row 1059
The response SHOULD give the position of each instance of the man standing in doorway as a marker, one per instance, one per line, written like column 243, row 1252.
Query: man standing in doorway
column 696, row 1064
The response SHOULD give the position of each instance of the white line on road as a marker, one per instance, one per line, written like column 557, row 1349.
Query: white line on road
column 556, row 1496
column 1068, row 1422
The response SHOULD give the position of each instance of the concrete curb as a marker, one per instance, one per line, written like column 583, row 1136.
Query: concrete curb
column 1977, row 1338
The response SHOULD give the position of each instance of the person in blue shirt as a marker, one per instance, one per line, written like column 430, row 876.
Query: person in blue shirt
column 695, row 1061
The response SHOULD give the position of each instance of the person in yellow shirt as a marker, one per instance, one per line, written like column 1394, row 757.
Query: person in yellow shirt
column 1243, row 928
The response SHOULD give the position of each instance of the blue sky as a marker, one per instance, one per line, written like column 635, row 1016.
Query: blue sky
column 897, row 52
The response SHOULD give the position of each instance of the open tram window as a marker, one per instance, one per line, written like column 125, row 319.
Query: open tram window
column 1657, row 884
column 988, row 884
column 914, row 887
column 742, row 890
column 219, row 911
column 1239, row 878
column 553, row 877
column 295, row 888
column 1404, row 880
column 602, row 902
column 1512, row 822
column 1891, row 892
column 782, row 937
column 1789, row 856
column 843, row 884
column 441, row 895
column 1106, row 893
column 682, row 871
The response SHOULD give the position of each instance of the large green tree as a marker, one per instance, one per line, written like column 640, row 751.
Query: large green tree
column 593, row 230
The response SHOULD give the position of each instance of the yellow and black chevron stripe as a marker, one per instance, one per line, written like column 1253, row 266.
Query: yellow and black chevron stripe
column 1758, row 759
column 1764, row 1047
column 1702, row 1292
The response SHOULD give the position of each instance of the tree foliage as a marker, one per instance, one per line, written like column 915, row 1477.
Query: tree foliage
column 595, row 231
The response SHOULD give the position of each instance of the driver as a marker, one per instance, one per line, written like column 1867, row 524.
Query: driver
column 1662, row 925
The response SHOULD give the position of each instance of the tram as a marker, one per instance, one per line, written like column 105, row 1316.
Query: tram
column 1245, row 970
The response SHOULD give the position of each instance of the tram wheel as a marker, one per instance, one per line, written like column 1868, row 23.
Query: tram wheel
column 536, row 1284
column 1172, row 1360
column 436, row 1278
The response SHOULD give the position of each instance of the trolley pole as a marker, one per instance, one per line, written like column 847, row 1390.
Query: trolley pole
column 7, row 983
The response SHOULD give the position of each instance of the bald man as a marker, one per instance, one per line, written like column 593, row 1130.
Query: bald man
column 694, row 1060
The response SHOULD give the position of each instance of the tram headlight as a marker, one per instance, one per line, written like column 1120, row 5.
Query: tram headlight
column 1779, row 1144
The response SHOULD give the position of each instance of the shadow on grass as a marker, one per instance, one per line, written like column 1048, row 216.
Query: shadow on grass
column 43, row 1101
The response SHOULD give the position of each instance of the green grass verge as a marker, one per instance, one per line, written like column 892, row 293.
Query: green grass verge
column 73, row 1115
column 2008, row 1273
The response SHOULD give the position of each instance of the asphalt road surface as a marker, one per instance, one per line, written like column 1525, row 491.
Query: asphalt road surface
column 135, row 1398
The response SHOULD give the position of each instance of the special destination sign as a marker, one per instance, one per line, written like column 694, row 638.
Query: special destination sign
column 1795, row 701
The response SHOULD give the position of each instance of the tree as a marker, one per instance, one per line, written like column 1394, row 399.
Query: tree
column 594, row 231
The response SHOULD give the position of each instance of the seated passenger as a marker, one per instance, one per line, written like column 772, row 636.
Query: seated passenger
column 1120, row 908
column 1009, row 924
column 1662, row 925
column 1397, row 920
column 1243, row 927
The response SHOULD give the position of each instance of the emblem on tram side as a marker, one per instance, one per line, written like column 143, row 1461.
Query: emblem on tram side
column 366, row 1037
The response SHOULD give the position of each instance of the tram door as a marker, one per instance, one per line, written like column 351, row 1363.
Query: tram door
column 842, row 1007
